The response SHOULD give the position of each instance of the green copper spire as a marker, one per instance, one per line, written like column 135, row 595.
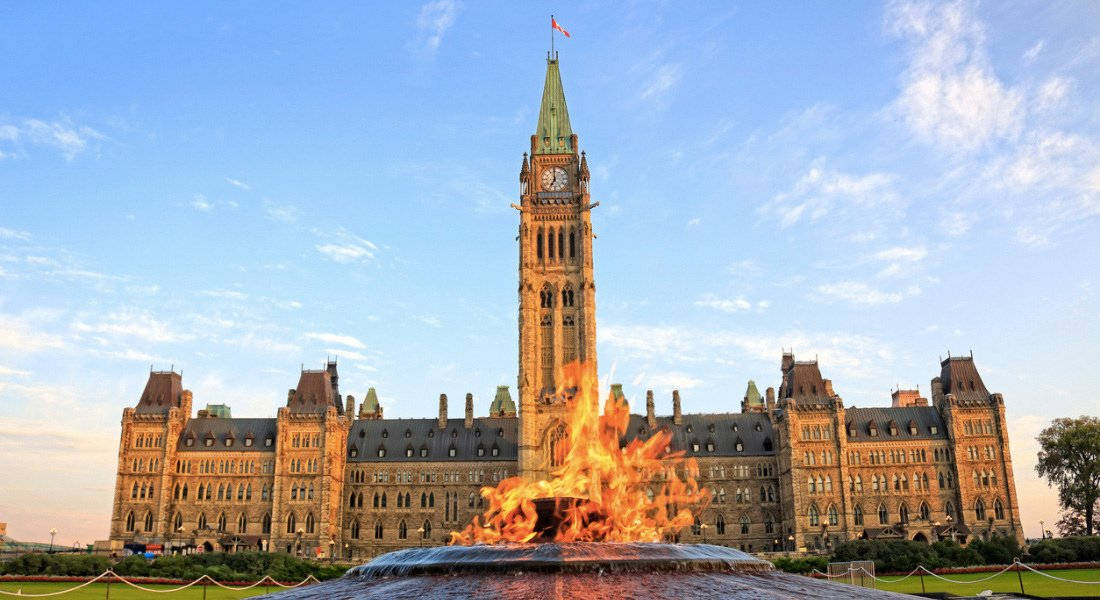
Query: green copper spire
column 553, row 134
column 370, row 404
column 502, row 404
column 752, row 395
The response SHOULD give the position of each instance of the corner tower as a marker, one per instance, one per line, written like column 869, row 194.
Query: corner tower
column 557, row 302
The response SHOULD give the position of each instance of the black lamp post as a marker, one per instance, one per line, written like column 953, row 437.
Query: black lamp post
column 53, row 532
column 790, row 540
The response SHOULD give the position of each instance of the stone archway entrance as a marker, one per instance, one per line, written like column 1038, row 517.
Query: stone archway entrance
column 920, row 537
column 207, row 547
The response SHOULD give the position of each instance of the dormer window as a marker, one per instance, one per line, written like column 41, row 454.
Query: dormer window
column 893, row 430
column 408, row 452
column 500, row 431
column 190, row 441
column 480, row 450
column 385, row 433
column 353, row 452
column 381, row 452
column 454, row 433
column 710, row 428
column 912, row 430
column 710, row 445
column 496, row 450
column 451, row 451
column 739, row 445
column 269, row 442
column 228, row 441
column 933, row 430
column 694, row 445
column 362, row 433
column 873, row 431
column 248, row 441
column 690, row 429
column 209, row 441
column 758, row 427
column 735, row 427
column 431, row 433
column 423, row 451
column 408, row 434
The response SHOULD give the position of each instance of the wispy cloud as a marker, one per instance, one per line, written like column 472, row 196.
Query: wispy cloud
column 335, row 338
column 133, row 324
column 664, row 78
column 345, row 247
column 8, row 371
column 14, row 234
column 729, row 305
column 821, row 190
column 60, row 134
column 238, row 183
column 348, row 354
column 950, row 96
column 859, row 293
column 1033, row 52
column 286, row 213
column 433, row 21
column 21, row 334
column 200, row 203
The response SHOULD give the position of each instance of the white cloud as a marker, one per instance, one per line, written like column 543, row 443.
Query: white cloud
column 335, row 338
column 860, row 293
column 900, row 253
column 8, row 371
column 14, row 234
column 435, row 19
column 1033, row 52
column 821, row 191
column 949, row 95
column 225, row 294
column 344, row 253
column 664, row 79
column 955, row 223
column 348, row 354
column 200, row 203
column 729, row 305
column 20, row 335
column 694, row 221
column 238, row 183
column 430, row 320
column 665, row 381
column 1052, row 94
column 61, row 135
column 133, row 324
column 285, row 213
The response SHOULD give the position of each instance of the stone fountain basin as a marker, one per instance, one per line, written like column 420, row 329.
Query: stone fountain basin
column 583, row 570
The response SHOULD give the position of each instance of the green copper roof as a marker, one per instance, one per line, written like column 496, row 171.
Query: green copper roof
column 502, row 401
column 617, row 390
column 553, row 135
column 370, row 404
column 752, row 395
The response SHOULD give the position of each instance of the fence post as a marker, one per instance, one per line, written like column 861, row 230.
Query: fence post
column 922, row 583
column 1018, row 576
column 108, row 588
column 203, row 589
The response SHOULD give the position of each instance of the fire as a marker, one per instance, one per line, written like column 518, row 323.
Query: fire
column 611, row 483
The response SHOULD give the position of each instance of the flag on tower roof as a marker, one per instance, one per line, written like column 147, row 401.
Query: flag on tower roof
column 555, row 25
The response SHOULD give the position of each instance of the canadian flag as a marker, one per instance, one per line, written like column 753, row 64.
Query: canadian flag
column 554, row 24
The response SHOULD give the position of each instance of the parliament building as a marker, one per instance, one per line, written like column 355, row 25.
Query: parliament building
column 793, row 469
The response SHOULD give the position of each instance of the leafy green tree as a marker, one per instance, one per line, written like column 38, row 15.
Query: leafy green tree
column 1069, row 459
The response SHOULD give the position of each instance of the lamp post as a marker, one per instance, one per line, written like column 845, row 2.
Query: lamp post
column 703, row 529
column 53, row 532
column 790, row 540
column 299, row 538
column 331, row 551
column 420, row 530
column 775, row 544
column 345, row 551
column 1042, row 529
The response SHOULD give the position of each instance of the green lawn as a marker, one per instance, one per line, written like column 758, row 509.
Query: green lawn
column 1034, row 583
column 121, row 591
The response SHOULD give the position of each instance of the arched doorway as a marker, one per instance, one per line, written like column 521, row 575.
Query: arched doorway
column 207, row 547
column 920, row 537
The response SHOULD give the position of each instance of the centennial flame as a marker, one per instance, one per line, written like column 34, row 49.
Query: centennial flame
column 611, row 483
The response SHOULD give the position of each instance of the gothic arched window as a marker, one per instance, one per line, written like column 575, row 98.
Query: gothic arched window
column 291, row 523
column 559, row 445
column 427, row 533
column 925, row 513
column 979, row 510
column 402, row 530
column 130, row 521
column 720, row 525
column 815, row 516
column 834, row 516
column 538, row 245
column 857, row 515
column 883, row 516
column 572, row 243
column 744, row 524
column 355, row 529
column 998, row 509
column 242, row 524
column 903, row 513
column 267, row 524
column 309, row 523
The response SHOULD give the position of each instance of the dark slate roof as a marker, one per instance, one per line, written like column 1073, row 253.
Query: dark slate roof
column 723, row 434
column 221, row 429
column 366, row 436
column 162, row 391
column 924, row 417
column 960, row 377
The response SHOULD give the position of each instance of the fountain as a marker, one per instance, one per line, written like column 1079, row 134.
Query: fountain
column 588, row 531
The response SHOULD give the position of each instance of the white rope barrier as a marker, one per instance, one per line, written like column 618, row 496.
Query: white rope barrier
column 109, row 573
column 1058, row 578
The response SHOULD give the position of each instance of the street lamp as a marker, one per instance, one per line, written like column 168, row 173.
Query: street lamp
column 420, row 530
column 300, row 532
column 345, row 551
column 703, row 528
column 790, row 539
column 775, row 544
column 53, row 532
column 1042, row 529
column 331, row 551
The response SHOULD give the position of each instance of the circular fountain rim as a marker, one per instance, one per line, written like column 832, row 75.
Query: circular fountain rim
column 555, row 557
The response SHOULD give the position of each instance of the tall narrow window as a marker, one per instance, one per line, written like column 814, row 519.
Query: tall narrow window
column 883, row 516
column 242, row 524
column 309, row 523
column 979, row 510
column 559, row 445
column 550, row 244
column 561, row 245
column 267, row 523
column 402, row 530
column 998, row 509
column 815, row 516
column 834, row 516
column 148, row 521
column 857, row 515
column 903, row 514
column 538, row 245
column 355, row 530
column 130, row 521
column 572, row 243
column 291, row 523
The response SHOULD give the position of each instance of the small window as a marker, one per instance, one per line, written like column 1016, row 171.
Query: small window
column 477, row 432
column 934, row 430
column 451, row 451
column 209, row 441
column 424, row 451
column 248, row 441
column 353, row 452
column 408, row 434
column 381, row 452
column 496, row 451
column 408, row 452
column 385, row 433
column 690, row 429
column 758, row 427
column 431, row 433
column 481, row 450
column 228, row 442
column 190, row 441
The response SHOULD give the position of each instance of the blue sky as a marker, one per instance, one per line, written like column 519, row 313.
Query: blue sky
column 237, row 190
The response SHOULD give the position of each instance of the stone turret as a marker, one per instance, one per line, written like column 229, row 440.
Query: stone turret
column 469, row 422
column 502, row 406
column 677, row 416
column 769, row 396
column 370, row 408
column 650, row 415
column 349, row 410
column 443, row 411
column 753, row 401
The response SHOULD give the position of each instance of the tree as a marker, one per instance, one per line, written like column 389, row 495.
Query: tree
column 1072, row 523
column 1069, row 459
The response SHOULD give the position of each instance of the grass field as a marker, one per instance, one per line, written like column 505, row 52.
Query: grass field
column 121, row 591
column 1034, row 584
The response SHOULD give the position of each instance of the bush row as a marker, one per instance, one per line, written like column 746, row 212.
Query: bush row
column 239, row 566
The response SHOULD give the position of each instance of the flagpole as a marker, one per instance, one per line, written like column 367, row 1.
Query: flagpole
column 551, row 36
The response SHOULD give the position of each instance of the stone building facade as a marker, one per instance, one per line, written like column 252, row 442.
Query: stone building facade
column 793, row 469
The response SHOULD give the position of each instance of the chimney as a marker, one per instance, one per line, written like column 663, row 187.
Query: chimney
column 350, row 410
column 469, row 410
column 677, row 417
column 443, row 411
column 650, row 417
column 937, row 391
column 829, row 388
column 769, row 398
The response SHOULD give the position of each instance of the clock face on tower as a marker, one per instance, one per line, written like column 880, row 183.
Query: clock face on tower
column 554, row 179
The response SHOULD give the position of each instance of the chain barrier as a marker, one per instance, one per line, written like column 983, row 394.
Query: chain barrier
column 109, row 573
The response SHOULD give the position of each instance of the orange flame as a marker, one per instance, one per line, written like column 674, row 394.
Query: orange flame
column 613, row 483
